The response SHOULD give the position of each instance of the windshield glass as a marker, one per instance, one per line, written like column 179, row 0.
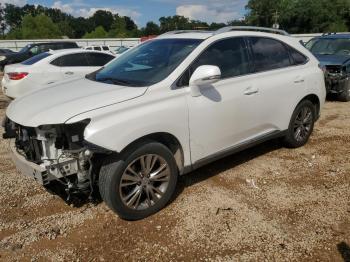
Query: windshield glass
column 24, row 49
column 148, row 63
column 329, row 46
column 35, row 59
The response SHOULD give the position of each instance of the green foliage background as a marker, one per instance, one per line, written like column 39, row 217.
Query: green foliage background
column 294, row 16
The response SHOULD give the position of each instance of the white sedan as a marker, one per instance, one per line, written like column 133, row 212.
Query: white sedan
column 50, row 67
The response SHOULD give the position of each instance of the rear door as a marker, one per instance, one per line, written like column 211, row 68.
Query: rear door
column 280, row 80
column 73, row 65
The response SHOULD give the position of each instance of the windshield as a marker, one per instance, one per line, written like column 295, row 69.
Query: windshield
column 26, row 48
column 35, row 59
column 148, row 63
column 329, row 46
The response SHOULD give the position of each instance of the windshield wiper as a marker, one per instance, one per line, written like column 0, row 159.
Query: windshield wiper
column 116, row 81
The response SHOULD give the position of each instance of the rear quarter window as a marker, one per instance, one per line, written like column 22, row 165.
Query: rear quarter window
column 297, row 57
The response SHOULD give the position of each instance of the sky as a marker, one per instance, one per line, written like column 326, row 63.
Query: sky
column 142, row 11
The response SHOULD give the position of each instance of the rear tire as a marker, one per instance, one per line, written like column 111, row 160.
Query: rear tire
column 301, row 125
column 139, row 183
column 345, row 95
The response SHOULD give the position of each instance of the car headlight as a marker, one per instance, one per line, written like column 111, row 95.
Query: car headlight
column 2, row 58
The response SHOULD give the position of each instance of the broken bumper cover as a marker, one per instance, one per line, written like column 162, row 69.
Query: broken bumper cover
column 29, row 169
column 336, row 84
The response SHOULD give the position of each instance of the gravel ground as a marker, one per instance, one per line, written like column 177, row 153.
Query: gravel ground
column 264, row 204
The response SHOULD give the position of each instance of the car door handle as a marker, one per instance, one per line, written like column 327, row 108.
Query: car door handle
column 69, row 73
column 299, row 80
column 251, row 91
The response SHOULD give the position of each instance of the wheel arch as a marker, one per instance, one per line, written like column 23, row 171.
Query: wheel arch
column 168, row 140
column 314, row 99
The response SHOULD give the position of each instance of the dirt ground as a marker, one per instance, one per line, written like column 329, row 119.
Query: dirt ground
column 264, row 204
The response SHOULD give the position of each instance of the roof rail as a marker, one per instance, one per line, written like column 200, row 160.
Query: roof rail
column 329, row 33
column 184, row 31
column 250, row 28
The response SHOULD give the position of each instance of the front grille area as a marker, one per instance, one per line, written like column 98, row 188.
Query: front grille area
column 334, row 69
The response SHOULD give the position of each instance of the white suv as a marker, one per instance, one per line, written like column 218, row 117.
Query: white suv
column 163, row 109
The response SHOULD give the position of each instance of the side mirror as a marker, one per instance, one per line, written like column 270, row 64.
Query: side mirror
column 204, row 76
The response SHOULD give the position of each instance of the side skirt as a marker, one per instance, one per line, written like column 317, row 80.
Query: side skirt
column 232, row 150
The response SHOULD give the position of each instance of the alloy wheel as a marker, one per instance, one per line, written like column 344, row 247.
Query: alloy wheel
column 144, row 182
column 303, row 124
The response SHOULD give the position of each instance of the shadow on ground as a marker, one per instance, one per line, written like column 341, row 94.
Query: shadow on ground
column 226, row 163
column 344, row 251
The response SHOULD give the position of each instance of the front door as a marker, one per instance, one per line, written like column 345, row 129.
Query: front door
column 225, row 115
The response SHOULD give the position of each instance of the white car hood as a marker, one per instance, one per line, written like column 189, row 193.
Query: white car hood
column 58, row 103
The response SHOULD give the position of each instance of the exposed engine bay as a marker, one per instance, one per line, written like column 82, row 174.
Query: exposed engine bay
column 61, row 151
column 337, row 78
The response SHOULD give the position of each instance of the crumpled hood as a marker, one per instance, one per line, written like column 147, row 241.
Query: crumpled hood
column 58, row 103
column 332, row 59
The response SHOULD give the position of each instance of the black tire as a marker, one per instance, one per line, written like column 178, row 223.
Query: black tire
column 292, row 140
column 345, row 95
column 111, row 177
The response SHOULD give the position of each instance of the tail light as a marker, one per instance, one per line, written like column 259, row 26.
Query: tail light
column 17, row 76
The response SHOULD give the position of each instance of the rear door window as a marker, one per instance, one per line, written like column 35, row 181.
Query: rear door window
column 73, row 60
column 269, row 54
column 98, row 59
column 97, row 48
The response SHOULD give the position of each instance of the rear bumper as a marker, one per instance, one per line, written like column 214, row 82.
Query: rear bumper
column 29, row 169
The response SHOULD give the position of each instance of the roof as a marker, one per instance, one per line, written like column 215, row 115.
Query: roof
column 74, row 51
column 335, row 36
column 53, row 43
column 234, row 30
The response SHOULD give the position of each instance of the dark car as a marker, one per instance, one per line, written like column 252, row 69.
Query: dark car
column 4, row 51
column 333, row 52
column 33, row 49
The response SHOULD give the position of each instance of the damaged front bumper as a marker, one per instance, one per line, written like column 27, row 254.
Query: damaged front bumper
column 29, row 169
column 337, row 80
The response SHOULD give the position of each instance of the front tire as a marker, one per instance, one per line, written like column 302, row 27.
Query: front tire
column 301, row 125
column 140, row 182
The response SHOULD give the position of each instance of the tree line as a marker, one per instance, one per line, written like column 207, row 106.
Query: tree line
column 294, row 16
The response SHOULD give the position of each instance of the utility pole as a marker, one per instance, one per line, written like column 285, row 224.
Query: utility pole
column 276, row 24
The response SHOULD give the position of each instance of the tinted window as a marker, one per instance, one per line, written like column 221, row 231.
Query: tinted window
column 105, row 48
column 97, row 48
column 71, row 60
column 269, row 54
column 69, row 45
column 230, row 55
column 297, row 57
column 35, row 59
column 98, row 59
column 34, row 50
column 45, row 48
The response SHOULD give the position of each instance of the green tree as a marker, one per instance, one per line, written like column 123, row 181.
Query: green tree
column 99, row 32
column 118, row 28
column 102, row 18
column 38, row 27
column 151, row 29
column 300, row 16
